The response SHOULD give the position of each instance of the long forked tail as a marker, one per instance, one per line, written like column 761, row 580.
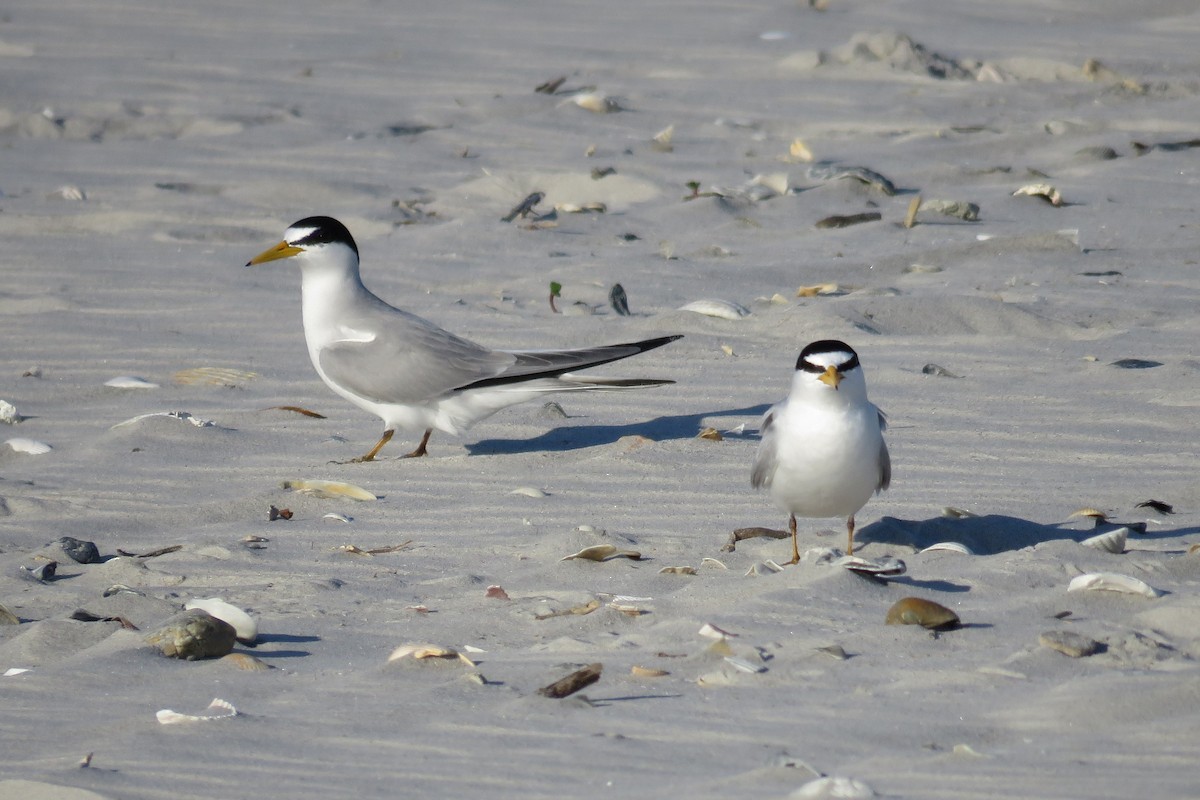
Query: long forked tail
column 532, row 364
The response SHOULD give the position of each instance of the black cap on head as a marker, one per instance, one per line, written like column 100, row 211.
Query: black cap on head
column 826, row 346
column 325, row 230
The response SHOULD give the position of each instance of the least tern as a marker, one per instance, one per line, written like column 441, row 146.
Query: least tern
column 408, row 371
column 822, row 452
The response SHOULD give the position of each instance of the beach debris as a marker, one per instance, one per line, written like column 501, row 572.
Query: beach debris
column 721, row 309
column 573, row 611
column 742, row 665
column 14, row 671
column 579, row 679
column 83, row 615
column 304, row 412
column 217, row 709
column 711, row 434
column 274, row 513
column 960, row 209
column 834, row 651
column 496, row 592
column 619, row 300
column 421, row 651
column 130, row 382
column 192, row 635
column 555, row 292
column 182, row 416
column 882, row 567
column 828, row 172
column 120, row 588
column 1135, row 363
column 1157, row 505
column 661, row 141
column 798, row 151
column 1112, row 582
column 594, row 207
column 599, row 173
column 596, row 102
column 938, row 370
column 551, row 86
column 926, row 613
column 9, row 414
column 525, row 208
column 7, row 617
column 1140, row 148
column 1096, row 515
column 603, row 552
column 830, row 787
column 1069, row 643
column 244, row 625
column 68, row 192
column 953, row 512
column 741, row 534
column 710, row 631
column 246, row 662
column 922, row 269
column 1110, row 541
column 767, row 567
column 374, row 551
column 910, row 218
column 213, row 376
column 42, row 573
column 1042, row 190
column 818, row 289
column 79, row 550
column 952, row 547
column 30, row 447
column 530, row 491
column 626, row 608
column 677, row 571
column 329, row 490
column 161, row 551
column 647, row 672
column 1099, row 152
column 709, row 561
column 846, row 220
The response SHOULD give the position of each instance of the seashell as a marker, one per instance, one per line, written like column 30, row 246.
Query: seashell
column 217, row 709
column 710, row 631
column 424, row 650
column 328, row 490
column 1110, row 541
column 957, row 513
column 243, row 624
column 194, row 634
column 130, row 382
column 574, row 611
column 647, row 672
column 579, row 679
column 1112, row 582
column 67, row 193
column 596, row 102
column 183, row 416
column 711, row 434
column 910, row 218
column 799, row 151
column 834, row 651
column 1069, row 643
column 1042, row 190
column 818, row 289
column 709, row 561
column 883, row 567
column 8, row 618
column 603, row 552
column 627, row 609
column 246, row 662
column 847, row 220
column 8, row 413
column 529, row 491
column 28, row 446
column 662, row 139
column 926, row 613
column 496, row 592
column 777, row 182
column 767, row 567
column 13, row 671
column 743, row 665
column 959, row 209
column 830, row 172
column 721, row 309
column 834, row 787
column 677, row 571
column 952, row 547
column 336, row 517
column 967, row 750
column 938, row 370
column 213, row 376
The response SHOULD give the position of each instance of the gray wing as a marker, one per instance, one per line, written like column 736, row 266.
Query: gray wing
column 409, row 361
column 532, row 364
column 767, row 457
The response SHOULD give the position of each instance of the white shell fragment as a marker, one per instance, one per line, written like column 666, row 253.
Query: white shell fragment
column 952, row 547
column 217, row 709
column 329, row 490
column 183, row 416
column 130, row 382
column 710, row 631
column 596, row 102
column 530, row 491
column 1112, row 582
column 745, row 666
column 1042, row 190
column 721, row 309
column 420, row 651
column 30, row 447
column 602, row 552
column 8, row 413
column 883, row 567
column 243, row 624
column 1109, row 541
column 767, row 567
column 13, row 671
column 834, row 787
column 336, row 517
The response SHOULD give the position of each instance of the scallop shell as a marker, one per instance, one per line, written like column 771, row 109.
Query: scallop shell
column 130, row 382
column 28, row 446
column 1110, row 541
column 721, row 309
column 243, row 624
column 329, row 490
column 246, row 662
column 953, row 547
column 918, row 611
column 1112, row 582
column 217, row 709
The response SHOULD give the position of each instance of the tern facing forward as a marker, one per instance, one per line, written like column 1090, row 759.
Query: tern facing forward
column 406, row 370
column 822, row 452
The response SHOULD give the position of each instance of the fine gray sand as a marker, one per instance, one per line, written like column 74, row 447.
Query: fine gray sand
column 151, row 149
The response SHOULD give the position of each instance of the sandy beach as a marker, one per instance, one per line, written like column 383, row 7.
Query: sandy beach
column 1031, row 334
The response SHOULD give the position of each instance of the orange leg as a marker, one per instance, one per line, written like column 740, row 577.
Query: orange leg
column 420, row 449
column 370, row 456
column 795, row 547
column 850, row 533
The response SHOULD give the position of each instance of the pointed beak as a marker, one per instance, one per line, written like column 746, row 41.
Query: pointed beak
column 830, row 377
column 281, row 250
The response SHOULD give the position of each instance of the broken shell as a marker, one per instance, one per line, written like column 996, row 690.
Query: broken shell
column 1069, row 643
column 596, row 102
column 603, row 552
column 767, row 567
column 677, row 571
column 926, row 613
column 957, row 513
column 711, row 631
column 647, row 672
column 338, row 517
column 883, row 567
column 709, row 561
column 1112, row 582
column 246, row 662
column 834, row 786
column 722, row 309
column 8, row 618
column 1042, row 190
column 329, row 490
column 9, row 414
column 711, row 434
column 130, row 382
column 423, row 651
column 777, row 182
column 816, row 289
column 743, row 665
column 662, row 139
column 243, row 624
column 1110, row 541
column 217, row 709
column 953, row 547
column 529, row 491
column 1092, row 513
column 799, row 151
column 28, row 446
column 183, row 416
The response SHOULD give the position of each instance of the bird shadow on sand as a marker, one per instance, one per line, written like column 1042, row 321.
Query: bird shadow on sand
column 988, row 534
column 578, row 437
